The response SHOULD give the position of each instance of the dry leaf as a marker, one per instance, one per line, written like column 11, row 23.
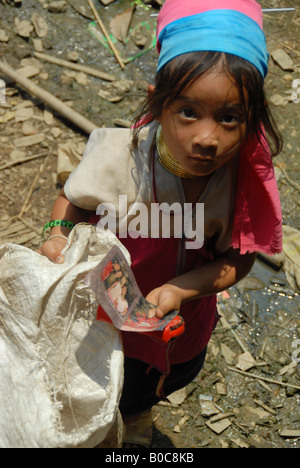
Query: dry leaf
column 119, row 25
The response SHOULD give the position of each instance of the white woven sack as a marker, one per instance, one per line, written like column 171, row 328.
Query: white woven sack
column 61, row 371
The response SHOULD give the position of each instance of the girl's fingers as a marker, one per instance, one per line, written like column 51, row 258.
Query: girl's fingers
column 52, row 250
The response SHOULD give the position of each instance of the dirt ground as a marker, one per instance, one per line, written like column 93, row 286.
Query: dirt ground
column 261, row 317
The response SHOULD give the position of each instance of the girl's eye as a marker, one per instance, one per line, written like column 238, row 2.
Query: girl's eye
column 230, row 119
column 188, row 113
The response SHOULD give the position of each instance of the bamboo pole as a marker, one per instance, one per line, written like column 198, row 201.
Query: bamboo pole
column 53, row 102
column 103, row 29
column 75, row 66
column 264, row 379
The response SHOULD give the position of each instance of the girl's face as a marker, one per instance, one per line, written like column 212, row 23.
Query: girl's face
column 205, row 126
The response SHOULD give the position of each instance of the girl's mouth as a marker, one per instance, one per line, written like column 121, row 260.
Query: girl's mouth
column 204, row 159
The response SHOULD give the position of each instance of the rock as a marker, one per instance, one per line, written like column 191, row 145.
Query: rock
column 239, row 442
column 24, row 113
column 40, row 25
column 178, row 397
column 245, row 361
column 57, row 7
column 56, row 132
column 30, row 140
column 73, row 56
column 208, row 408
column 221, row 388
column 289, row 433
column 4, row 36
column 219, row 426
column 106, row 2
column 228, row 354
column 283, row 60
column 279, row 100
column 23, row 28
column 251, row 414
column 250, row 284
column 114, row 92
column 140, row 36
column 38, row 45
column 29, row 71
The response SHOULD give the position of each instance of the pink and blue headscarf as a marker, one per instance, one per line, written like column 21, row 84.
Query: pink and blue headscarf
column 231, row 26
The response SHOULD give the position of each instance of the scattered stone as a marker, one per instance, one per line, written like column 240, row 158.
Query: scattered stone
column 219, row 426
column 106, row 2
column 38, row 45
column 245, row 361
column 279, row 100
column 228, row 354
column 23, row 28
column 115, row 92
column 140, row 36
column 30, row 140
column 57, row 7
column 29, row 71
column 28, row 128
column 73, row 56
column 289, row 433
column 221, row 388
column 4, row 36
column 23, row 113
column 208, row 408
column 40, row 25
column 177, row 398
column 283, row 60
column 56, row 132
column 250, row 284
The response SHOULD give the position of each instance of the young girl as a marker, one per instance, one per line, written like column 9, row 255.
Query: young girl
column 201, row 138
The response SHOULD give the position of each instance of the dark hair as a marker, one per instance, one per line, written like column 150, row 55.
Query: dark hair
column 183, row 71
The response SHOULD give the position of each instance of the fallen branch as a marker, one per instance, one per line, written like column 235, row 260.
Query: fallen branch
column 22, row 160
column 264, row 379
column 54, row 103
column 238, row 340
column 75, row 66
column 103, row 29
column 25, row 205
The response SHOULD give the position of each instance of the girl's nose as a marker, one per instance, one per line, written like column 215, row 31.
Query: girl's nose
column 206, row 134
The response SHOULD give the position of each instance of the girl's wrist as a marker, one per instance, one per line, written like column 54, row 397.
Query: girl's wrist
column 58, row 227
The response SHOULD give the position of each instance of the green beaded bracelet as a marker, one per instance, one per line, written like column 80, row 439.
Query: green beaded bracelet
column 58, row 222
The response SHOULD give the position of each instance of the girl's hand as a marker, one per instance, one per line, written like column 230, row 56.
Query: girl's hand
column 52, row 249
column 166, row 298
